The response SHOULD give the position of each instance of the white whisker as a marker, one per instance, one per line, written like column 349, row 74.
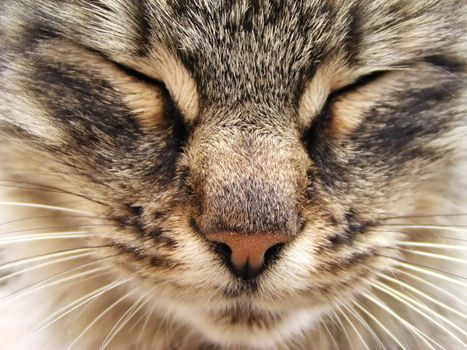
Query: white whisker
column 434, row 227
column 412, row 303
column 435, row 256
column 28, row 260
column 431, row 245
column 145, row 325
column 432, row 285
column 37, row 286
column 379, row 323
column 365, row 324
column 30, row 218
column 44, row 237
column 48, row 188
column 422, row 336
column 354, row 328
column 415, row 216
column 430, row 272
column 44, row 206
column 437, row 235
column 98, row 317
column 426, row 296
column 48, row 263
column 124, row 319
column 331, row 337
column 67, row 309
column 339, row 321
column 13, row 296
column 13, row 233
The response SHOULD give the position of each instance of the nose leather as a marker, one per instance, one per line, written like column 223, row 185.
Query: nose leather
column 248, row 249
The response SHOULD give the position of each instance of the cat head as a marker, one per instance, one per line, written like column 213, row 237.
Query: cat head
column 243, row 155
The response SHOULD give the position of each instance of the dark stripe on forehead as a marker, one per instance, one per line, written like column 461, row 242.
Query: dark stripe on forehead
column 146, row 28
column 354, row 34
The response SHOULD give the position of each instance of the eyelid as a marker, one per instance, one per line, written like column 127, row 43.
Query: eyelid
column 326, row 115
column 139, row 76
column 360, row 82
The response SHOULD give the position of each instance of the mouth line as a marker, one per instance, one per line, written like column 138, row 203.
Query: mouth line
column 238, row 315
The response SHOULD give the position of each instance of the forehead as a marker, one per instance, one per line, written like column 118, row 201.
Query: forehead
column 242, row 50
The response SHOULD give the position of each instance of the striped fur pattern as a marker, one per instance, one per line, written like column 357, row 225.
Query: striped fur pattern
column 130, row 129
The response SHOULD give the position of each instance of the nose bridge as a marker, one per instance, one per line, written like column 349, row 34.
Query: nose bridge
column 248, row 184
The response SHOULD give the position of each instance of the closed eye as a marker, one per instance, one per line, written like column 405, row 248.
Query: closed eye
column 170, row 111
column 359, row 83
column 139, row 76
column 344, row 109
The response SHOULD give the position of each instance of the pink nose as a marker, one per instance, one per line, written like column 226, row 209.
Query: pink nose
column 248, row 250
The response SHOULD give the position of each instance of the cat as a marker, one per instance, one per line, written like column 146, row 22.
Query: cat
column 248, row 174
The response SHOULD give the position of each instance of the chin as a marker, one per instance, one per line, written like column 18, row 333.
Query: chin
column 253, row 328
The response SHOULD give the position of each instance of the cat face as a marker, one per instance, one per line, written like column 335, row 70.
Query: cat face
column 296, row 127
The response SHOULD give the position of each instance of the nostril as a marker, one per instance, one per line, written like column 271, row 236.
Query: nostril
column 224, row 251
column 272, row 254
column 136, row 210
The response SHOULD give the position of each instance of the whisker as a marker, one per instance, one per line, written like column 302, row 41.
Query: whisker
column 422, row 336
column 160, row 325
column 435, row 256
column 354, row 328
column 145, row 325
column 447, row 276
column 69, row 308
column 138, row 320
column 416, row 216
column 39, row 285
column 35, row 267
column 45, row 237
column 422, row 233
column 379, row 323
column 13, row 233
column 431, row 245
column 98, row 317
column 124, row 319
column 49, row 188
column 13, row 296
column 333, row 339
column 339, row 321
column 434, row 227
column 424, row 295
column 44, row 206
column 432, row 285
column 32, row 259
column 365, row 324
column 52, row 216
column 411, row 303
column 320, row 336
